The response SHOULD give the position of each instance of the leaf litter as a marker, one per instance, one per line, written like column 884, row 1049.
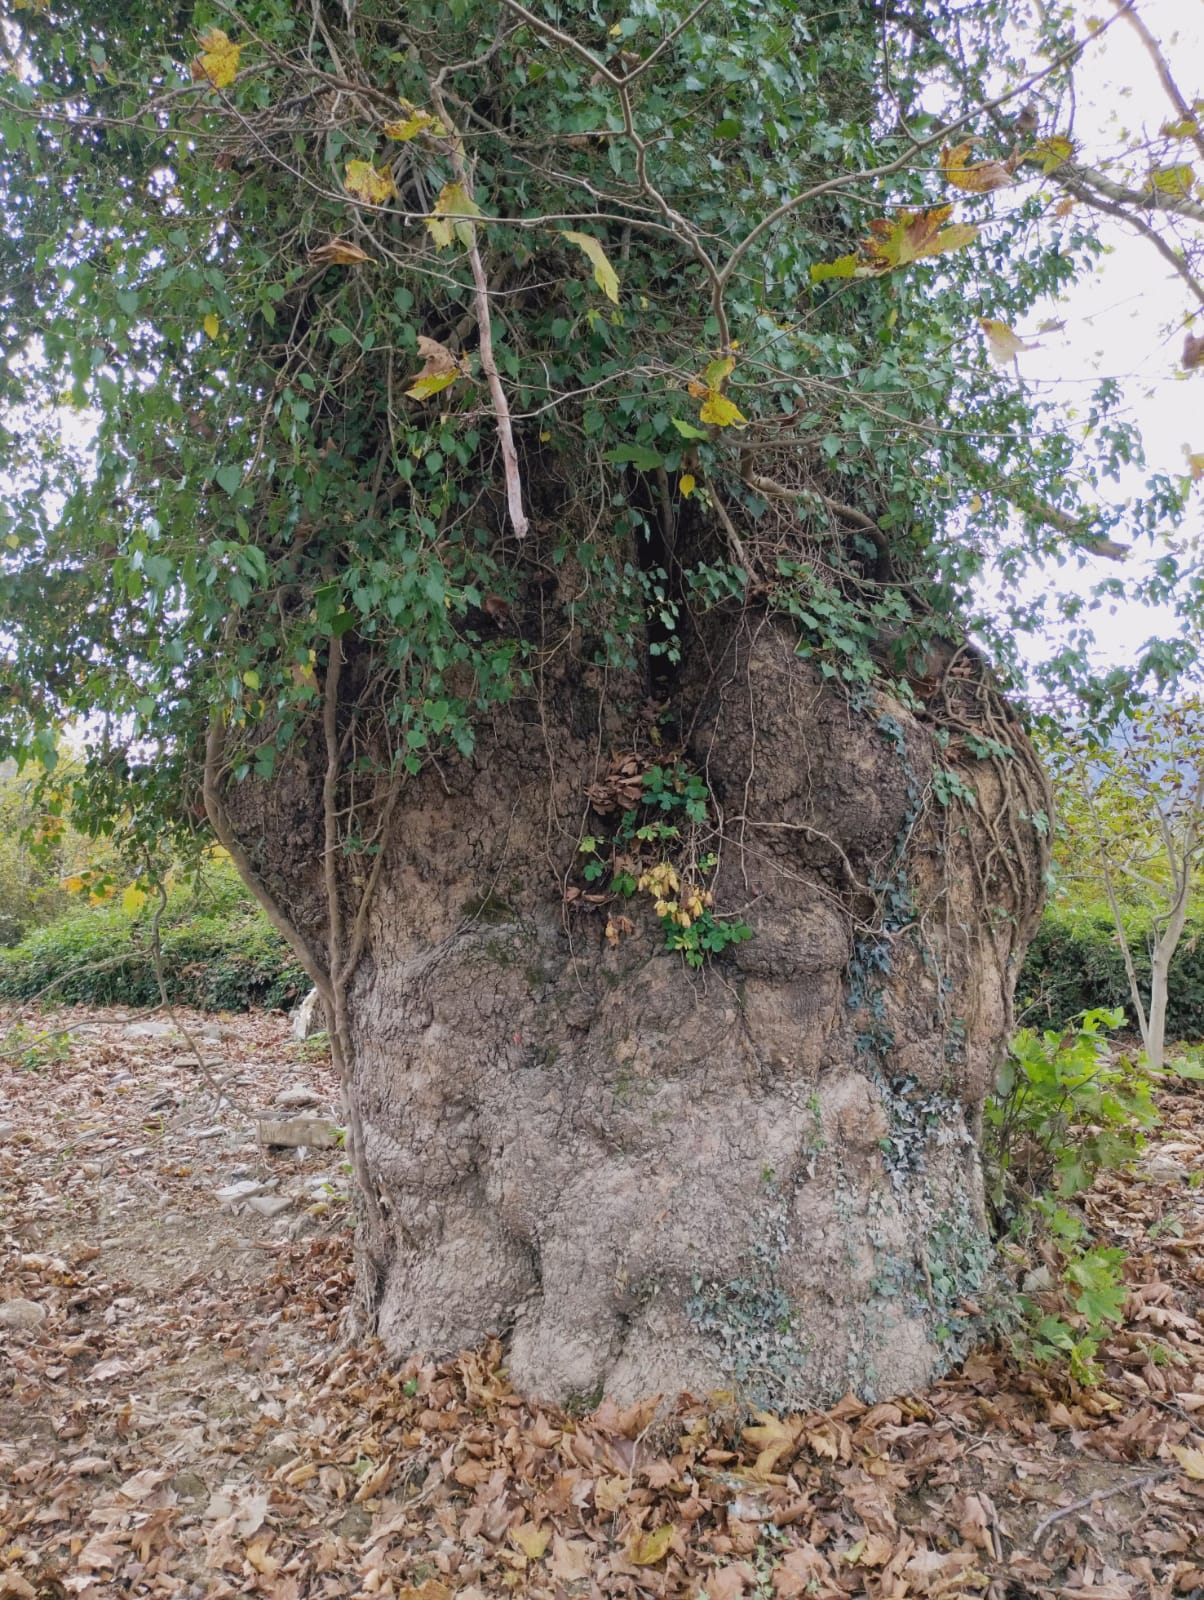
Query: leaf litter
column 184, row 1418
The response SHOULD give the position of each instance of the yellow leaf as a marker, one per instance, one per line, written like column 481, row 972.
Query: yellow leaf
column 646, row 1549
column 13, row 542
column 611, row 1493
column 211, row 324
column 531, row 1540
column 251, row 678
column 718, row 372
column 605, row 275
column 1192, row 1461
column 73, row 885
column 981, row 178
column 415, row 122
column 1051, row 153
column 842, row 267
column 773, row 1439
column 218, row 60
column 257, row 1555
column 616, row 32
column 975, row 503
column 366, row 182
column 338, row 253
column 1004, row 345
column 132, row 899
column 423, row 388
column 721, row 411
column 453, row 203
column 1176, row 181
column 686, row 484
column 1195, row 465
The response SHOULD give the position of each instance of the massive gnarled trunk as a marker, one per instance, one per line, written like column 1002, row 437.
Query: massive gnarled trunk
column 761, row 1175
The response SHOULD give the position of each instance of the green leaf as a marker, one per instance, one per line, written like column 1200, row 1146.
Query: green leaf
column 636, row 455
column 229, row 478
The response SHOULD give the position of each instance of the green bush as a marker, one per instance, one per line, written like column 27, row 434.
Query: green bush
column 1066, row 1107
column 1075, row 965
column 219, row 954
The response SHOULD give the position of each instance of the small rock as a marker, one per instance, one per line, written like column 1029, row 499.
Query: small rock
column 7, row 1129
column 315, row 1132
column 233, row 1193
column 294, row 1098
column 22, row 1315
column 309, row 1017
column 1162, row 1169
column 149, row 1030
column 270, row 1205
column 1038, row 1279
column 208, row 1133
column 212, row 1030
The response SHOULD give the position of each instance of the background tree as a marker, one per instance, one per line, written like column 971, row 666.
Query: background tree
column 1133, row 804
column 540, row 466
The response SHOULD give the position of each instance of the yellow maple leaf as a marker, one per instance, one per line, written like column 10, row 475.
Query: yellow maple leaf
column 646, row 1549
column 218, row 59
column 366, row 182
column 132, row 899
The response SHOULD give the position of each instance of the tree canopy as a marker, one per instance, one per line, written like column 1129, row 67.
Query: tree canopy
column 338, row 324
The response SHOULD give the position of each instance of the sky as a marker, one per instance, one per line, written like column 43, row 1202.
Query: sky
column 1127, row 322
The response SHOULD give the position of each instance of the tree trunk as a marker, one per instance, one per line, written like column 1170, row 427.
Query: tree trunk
column 761, row 1175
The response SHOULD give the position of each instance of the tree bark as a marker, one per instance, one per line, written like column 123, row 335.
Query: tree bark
column 762, row 1175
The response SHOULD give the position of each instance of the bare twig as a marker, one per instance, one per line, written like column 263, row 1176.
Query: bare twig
column 1088, row 1500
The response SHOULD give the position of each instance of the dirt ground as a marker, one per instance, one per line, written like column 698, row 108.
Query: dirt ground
column 180, row 1416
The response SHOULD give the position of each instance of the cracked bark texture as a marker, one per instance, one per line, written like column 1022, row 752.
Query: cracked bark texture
column 760, row 1176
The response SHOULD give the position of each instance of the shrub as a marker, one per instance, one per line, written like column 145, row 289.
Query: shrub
column 1075, row 965
column 1066, row 1107
column 219, row 954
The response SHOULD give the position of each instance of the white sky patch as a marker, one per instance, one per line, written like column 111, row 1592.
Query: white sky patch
column 1127, row 321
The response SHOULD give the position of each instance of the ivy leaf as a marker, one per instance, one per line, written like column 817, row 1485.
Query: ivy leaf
column 636, row 455
column 605, row 275
column 1004, row 345
column 721, row 411
column 366, row 182
column 646, row 1549
column 218, row 59
column 981, row 178
column 453, row 202
column 688, row 430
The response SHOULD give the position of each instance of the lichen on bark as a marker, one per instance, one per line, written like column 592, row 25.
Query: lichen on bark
column 762, row 1175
